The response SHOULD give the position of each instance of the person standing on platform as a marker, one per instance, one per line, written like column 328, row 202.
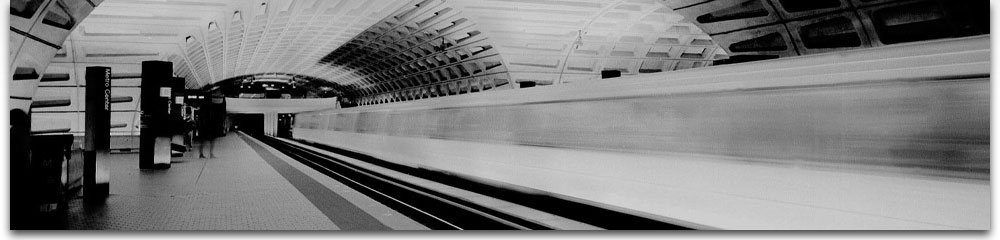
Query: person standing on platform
column 211, row 117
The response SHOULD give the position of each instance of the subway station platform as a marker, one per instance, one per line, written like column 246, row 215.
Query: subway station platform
column 243, row 188
column 497, row 114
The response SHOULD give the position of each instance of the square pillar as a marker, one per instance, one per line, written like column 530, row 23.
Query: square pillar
column 155, row 106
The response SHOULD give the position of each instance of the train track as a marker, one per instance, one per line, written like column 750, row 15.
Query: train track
column 435, row 210
column 441, row 211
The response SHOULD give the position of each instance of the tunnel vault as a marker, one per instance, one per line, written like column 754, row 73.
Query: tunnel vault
column 439, row 48
column 388, row 51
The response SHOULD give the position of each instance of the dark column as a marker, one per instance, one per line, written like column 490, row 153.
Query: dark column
column 154, row 107
column 20, row 165
column 97, row 127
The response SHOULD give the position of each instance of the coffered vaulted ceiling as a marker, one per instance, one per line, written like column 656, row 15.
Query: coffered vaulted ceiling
column 546, row 42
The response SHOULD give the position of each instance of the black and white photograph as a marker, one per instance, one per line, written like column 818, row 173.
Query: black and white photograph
column 375, row 116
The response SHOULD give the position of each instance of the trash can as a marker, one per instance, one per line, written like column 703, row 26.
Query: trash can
column 48, row 152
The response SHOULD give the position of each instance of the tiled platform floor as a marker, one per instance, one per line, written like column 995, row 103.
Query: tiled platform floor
column 237, row 190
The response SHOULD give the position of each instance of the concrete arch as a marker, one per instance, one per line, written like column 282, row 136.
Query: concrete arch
column 38, row 28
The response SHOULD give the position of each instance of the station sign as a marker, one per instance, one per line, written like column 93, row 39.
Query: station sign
column 97, row 101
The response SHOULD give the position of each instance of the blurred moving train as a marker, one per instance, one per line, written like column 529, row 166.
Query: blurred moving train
column 894, row 137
